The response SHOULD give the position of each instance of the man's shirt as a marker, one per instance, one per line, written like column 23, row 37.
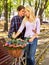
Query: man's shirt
column 15, row 24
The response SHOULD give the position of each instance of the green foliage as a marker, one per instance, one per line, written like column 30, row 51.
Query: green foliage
column 1, row 7
column 47, row 10
column 17, row 41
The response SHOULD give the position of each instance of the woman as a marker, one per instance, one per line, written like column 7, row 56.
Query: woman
column 32, row 25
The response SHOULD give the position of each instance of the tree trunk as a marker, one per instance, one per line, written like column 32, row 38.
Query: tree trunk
column 0, row 15
column 29, row 2
column 9, row 11
column 43, row 6
column 23, row 2
column 6, row 15
column 41, row 19
column 36, row 6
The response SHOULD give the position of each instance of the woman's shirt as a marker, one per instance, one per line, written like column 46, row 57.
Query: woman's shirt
column 30, row 26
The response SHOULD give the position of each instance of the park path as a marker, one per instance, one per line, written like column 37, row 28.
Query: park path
column 46, row 59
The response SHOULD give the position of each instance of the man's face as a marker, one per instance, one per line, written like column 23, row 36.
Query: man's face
column 22, row 12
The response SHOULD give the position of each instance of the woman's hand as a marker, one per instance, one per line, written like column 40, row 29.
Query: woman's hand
column 31, row 39
column 35, row 36
column 14, row 36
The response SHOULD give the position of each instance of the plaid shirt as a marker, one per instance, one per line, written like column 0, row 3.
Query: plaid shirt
column 15, row 24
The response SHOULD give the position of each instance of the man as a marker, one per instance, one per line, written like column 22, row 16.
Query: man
column 16, row 22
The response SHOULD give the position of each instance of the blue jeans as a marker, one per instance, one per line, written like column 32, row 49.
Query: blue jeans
column 31, row 50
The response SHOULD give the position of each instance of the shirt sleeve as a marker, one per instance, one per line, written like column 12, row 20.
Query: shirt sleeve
column 38, row 26
column 11, row 30
column 22, row 26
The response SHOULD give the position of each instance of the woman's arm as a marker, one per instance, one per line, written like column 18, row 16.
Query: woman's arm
column 19, row 30
column 36, row 31
column 16, row 35
column 33, row 37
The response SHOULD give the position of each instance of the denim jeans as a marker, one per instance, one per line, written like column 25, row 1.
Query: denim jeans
column 31, row 50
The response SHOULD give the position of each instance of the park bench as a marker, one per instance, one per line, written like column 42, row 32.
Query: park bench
column 5, row 58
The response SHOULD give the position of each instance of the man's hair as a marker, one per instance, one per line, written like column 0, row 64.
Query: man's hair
column 20, row 7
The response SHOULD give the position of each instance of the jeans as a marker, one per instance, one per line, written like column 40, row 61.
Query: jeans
column 31, row 50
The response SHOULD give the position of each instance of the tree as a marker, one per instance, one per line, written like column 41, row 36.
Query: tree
column 29, row 2
column 1, row 7
column 8, row 5
column 41, row 5
column 23, row 2
column 47, row 10
column 9, row 8
column 5, row 3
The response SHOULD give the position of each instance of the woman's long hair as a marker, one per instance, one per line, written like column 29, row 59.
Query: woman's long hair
column 32, row 15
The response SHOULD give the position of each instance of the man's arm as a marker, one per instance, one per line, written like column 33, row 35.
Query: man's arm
column 11, row 30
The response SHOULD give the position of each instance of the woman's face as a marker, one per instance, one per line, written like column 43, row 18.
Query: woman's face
column 27, row 13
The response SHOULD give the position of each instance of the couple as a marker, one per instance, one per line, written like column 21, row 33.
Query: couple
column 32, row 29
